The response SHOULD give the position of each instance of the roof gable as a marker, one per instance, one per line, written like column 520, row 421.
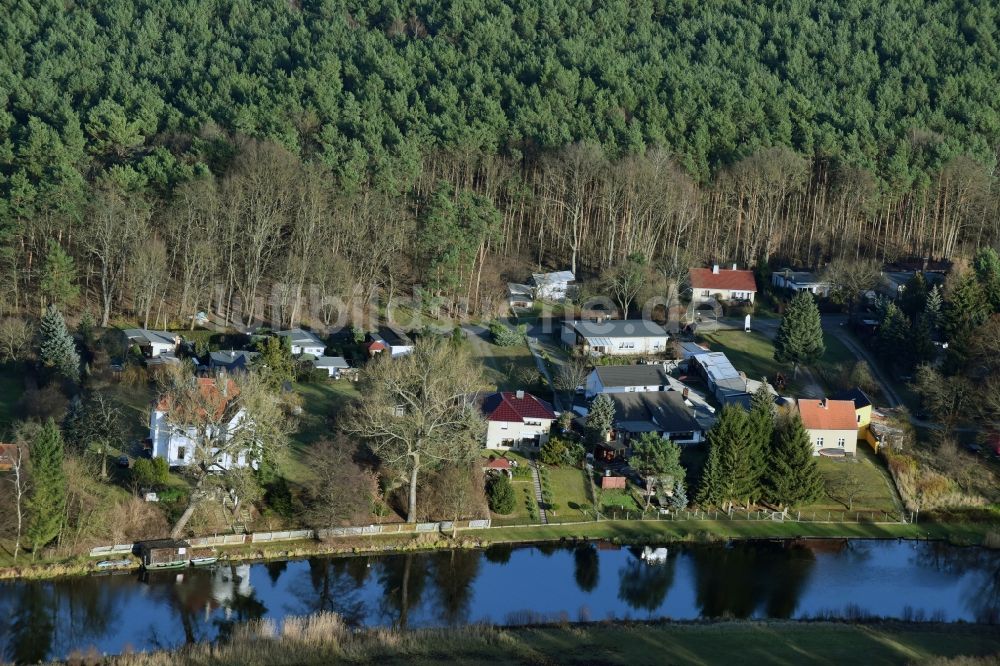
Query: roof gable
column 729, row 280
column 507, row 407
column 828, row 414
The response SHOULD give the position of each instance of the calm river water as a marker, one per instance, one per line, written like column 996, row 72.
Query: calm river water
column 109, row 614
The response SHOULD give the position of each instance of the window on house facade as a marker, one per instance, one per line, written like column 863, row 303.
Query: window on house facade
column 841, row 442
column 859, row 418
column 504, row 425
column 706, row 292
column 182, row 453
column 819, row 442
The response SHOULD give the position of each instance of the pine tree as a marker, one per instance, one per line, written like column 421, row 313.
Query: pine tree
column 762, row 427
column 920, row 343
column 932, row 308
column 892, row 336
column 600, row 419
column 967, row 307
column 56, row 284
column 57, row 349
column 679, row 500
column 729, row 472
column 800, row 335
column 914, row 296
column 794, row 477
column 47, row 503
column 987, row 266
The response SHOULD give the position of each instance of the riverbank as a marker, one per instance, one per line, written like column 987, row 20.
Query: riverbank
column 324, row 638
column 633, row 532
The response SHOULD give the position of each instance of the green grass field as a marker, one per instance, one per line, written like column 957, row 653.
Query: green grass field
column 569, row 492
column 321, row 401
column 504, row 368
column 751, row 353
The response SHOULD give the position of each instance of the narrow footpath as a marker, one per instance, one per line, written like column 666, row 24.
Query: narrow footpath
column 538, row 493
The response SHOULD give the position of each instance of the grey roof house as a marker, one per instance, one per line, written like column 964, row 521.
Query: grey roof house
column 615, row 337
column 666, row 413
column 231, row 360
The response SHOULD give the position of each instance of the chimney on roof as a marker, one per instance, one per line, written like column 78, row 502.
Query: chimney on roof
column 715, row 269
column 822, row 403
column 684, row 393
column 520, row 395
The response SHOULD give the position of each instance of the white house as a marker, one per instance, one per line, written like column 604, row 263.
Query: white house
column 520, row 295
column 177, row 442
column 617, row 338
column 668, row 413
column 153, row 343
column 800, row 281
column 516, row 420
column 552, row 286
column 626, row 379
column 303, row 342
column 832, row 426
column 389, row 339
column 722, row 284
column 333, row 365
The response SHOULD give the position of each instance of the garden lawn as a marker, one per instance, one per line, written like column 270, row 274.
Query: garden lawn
column 751, row 353
column 504, row 368
column 569, row 493
column 874, row 493
column 322, row 401
column 524, row 492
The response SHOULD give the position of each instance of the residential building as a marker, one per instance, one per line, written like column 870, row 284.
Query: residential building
column 389, row 339
column 517, row 420
column 800, row 281
column 618, row 338
column 231, row 360
column 176, row 439
column 892, row 283
column 303, row 342
column 334, row 366
column 832, row 426
column 153, row 343
column 862, row 408
column 668, row 414
column 520, row 296
column 626, row 379
column 552, row 286
column 722, row 284
column 713, row 367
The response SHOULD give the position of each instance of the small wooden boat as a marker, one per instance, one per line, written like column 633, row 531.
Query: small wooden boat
column 204, row 561
column 113, row 564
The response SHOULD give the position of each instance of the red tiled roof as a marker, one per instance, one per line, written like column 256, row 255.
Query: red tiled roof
column 498, row 463
column 210, row 397
column 375, row 345
column 704, row 278
column 828, row 415
column 506, row 406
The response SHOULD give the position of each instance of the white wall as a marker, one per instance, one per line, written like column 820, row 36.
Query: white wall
column 498, row 431
column 308, row 349
column 168, row 440
column 632, row 346
column 723, row 294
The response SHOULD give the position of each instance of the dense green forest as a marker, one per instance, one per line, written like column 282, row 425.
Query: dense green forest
column 741, row 131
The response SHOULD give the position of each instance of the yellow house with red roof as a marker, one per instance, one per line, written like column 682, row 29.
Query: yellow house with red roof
column 832, row 426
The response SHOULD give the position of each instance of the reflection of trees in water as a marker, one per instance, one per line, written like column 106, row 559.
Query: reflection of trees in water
column 499, row 553
column 982, row 594
column 454, row 573
column 403, row 578
column 643, row 585
column 332, row 585
column 32, row 623
column 586, row 567
column 737, row 580
column 275, row 569
column 238, row 598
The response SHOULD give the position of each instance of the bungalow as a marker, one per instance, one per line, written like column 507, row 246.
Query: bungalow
column 389, row 339
column 722, row 284
column 303, row 342
column 668, row 414
column 516, row 420
column 552, row 286
column 615, row 338
column 333, row 365
column 153, row 343
column 832, row 426
column 231, row 360
column 176, row 441
column 800, row 281
column 520, row 295
column 626, row 379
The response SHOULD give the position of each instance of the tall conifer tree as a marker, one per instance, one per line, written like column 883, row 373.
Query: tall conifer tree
column 57, row 350
column 800, row 335
column 47, row 503
column 794, row 477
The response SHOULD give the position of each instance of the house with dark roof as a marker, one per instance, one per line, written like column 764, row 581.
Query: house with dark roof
column 669, row 414
column 388, row 339
column 722, row 284
column 517, row 420
column 832, row 426
column 626, row 379
column 800, row 281
column 624, row 337
column 153, row 343
column 303, row 342
column 231, row 360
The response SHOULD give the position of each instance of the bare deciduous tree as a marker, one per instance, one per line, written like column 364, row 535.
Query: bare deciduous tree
column 15, row 339
column 415, row 412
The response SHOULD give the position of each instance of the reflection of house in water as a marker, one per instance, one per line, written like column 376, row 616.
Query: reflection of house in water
column 228, row 583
